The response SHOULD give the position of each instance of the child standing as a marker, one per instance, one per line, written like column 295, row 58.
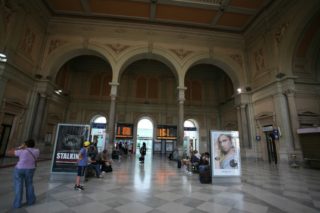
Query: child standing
column 82, row 164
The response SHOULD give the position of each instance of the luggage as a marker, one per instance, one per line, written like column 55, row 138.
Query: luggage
column 179, row 164
column 141, row 158
column 115, row 154
column 204, row 174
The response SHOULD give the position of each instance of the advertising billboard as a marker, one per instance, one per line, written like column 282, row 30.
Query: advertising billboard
column 225, row 149
column 68, row 142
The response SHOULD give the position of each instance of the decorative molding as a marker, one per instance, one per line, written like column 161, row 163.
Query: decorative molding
column 54, row 44
column 181, row 53
column 279, row 34
column 289, row 91
column 259, row 59
column 7, row 13
column 237, row 58
column 150, row 47
column 28, row 41
column 117, row 48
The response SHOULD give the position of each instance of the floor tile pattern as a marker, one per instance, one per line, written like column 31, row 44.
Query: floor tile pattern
column 159, row 186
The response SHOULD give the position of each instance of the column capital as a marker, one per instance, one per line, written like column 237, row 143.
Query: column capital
column 113, row 91
column 289, row 92
column 182, row 88
column 181, row 95
column 114, row 84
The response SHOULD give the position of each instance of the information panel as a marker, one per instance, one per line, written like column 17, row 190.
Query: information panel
column 166, row 132
column 124, row 131
column 225, row 151
column 69, row 140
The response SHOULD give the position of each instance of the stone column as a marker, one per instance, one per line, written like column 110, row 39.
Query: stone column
column 181, row 99
column 39, row 115
column 252, row 129
column 3, row 82
column 293, row 118
column 112, row 114
column 282, row 119
column 242, row 146
column 244, row 125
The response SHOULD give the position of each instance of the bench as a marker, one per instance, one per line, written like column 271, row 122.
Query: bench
column 312, row 162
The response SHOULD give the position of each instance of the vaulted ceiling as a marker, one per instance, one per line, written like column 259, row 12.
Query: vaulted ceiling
column 223, row 15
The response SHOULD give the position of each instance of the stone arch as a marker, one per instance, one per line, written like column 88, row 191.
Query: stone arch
column 143, row 53
column 307, row 50
column 293, row 34
column 63, row 54
column 92, row 116
column 226, row 64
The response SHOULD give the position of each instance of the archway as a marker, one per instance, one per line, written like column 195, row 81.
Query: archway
column 145, row 134
column 191, row 135
column 98, row 131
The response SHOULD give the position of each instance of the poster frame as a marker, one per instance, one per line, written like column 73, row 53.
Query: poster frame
column 70, row 164
column 215, row 158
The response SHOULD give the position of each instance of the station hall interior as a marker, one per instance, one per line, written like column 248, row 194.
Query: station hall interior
column 167, row 73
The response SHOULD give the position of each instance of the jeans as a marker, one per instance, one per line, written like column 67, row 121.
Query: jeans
column 23, row 176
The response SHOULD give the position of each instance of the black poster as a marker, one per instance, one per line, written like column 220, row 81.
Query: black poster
column 69, row 140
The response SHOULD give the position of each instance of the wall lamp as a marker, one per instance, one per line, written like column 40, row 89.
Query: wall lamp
column 3, row 57
column 58, row 91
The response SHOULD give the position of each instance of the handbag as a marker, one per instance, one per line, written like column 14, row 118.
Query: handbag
column 34, row 157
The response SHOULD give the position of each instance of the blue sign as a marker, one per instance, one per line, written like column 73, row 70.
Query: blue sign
column 258, row 137
column 276, row 133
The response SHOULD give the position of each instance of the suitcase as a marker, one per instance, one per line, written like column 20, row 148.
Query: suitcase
column 141, row 158
column 204, row 174
column 179, row 164
column 115, row 154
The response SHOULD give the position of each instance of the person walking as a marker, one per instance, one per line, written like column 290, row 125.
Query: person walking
column 143, row 151
column 24, row 171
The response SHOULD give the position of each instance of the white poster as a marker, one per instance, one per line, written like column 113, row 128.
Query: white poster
column 225, row 149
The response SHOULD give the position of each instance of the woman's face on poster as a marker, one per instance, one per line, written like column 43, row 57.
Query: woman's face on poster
column 225, row 143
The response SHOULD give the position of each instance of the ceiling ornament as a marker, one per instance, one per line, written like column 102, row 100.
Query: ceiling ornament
column 181, row 53
column 54, row 44
column 208, row 2
column 279, row 34
column 118, row 48
column 237, row 58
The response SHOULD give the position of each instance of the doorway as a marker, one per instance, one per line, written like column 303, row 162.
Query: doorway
column 4, row 138
column 145, row 135
column 98, row 132
column 271, row 147
column 191, row 135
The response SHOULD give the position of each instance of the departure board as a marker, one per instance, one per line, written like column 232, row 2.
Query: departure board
column 124, row 130
column 166, row 132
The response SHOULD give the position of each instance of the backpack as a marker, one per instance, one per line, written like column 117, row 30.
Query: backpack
column 143, row 150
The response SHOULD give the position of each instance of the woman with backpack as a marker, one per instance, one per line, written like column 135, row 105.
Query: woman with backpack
column 143, row 151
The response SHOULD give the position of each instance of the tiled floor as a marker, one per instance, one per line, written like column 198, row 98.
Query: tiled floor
column 158, row 186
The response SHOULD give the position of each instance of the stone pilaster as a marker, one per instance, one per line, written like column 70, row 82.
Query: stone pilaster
column 282, row 119
column 39, row 114
column 293, row 118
